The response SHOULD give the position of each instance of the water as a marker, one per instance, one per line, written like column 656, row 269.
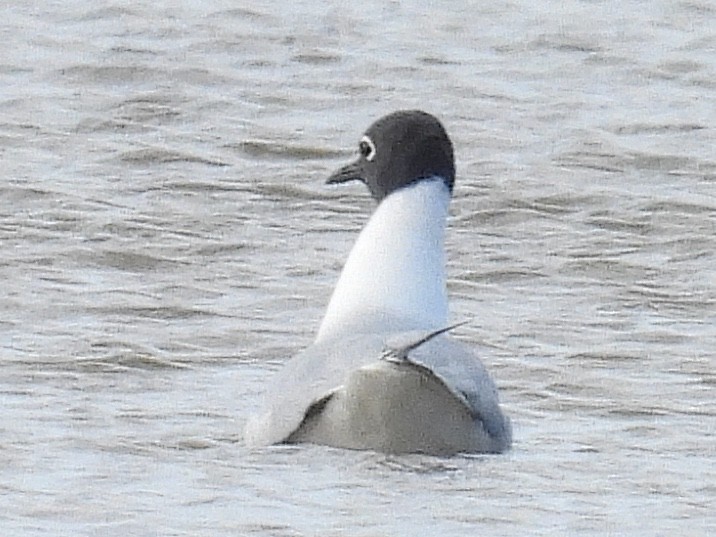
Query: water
column 166, row 243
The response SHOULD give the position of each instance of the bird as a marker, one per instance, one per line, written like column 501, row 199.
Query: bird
column 383, row 372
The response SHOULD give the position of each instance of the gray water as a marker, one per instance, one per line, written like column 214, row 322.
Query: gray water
column 166, row 243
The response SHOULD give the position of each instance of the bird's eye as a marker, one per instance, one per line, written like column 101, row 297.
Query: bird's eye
column 367, row 148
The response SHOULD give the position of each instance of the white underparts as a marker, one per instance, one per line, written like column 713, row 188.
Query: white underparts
column 395, row 273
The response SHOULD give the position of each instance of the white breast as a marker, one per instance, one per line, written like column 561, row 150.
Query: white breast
column 395, row 273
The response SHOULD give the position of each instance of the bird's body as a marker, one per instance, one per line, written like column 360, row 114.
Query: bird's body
column 381, row 373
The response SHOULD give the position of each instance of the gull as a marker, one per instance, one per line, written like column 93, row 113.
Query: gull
column 383, row 373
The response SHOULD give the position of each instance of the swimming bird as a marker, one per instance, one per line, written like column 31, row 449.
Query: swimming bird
column 382, row 373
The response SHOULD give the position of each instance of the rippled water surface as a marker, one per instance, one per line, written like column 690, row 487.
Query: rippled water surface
column 166, row 243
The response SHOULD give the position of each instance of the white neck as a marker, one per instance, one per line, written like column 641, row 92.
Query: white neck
column 395, row 274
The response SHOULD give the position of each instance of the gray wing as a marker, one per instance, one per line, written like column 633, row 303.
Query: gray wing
column 306, row 379
column 466, row 377
column 314, row 374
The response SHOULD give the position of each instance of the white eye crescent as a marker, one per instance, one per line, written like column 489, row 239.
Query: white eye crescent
column 367, row 148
